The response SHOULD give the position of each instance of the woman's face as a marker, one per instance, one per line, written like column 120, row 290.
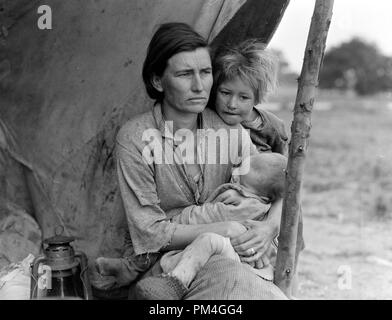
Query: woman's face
column 235, row 100
column 186, row 82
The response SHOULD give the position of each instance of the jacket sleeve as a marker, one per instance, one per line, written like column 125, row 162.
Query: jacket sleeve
column 249, row 208
column 279, row 141
column 213, row 211
column 202, row 214
column 271, row 135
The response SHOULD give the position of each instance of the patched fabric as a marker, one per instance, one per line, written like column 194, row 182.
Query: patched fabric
column 224, row 279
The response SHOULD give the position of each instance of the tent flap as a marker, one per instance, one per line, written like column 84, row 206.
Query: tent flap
column 65, row 92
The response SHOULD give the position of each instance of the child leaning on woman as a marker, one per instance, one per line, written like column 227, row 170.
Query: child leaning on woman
column 243, row 77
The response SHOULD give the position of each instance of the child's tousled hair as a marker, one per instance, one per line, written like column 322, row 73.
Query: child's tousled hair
column 252, row 62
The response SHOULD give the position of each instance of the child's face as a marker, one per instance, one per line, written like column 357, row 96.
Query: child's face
column 234, row 101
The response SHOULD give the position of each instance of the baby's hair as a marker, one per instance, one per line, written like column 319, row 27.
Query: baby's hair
column 252, row 63
column 268, row 172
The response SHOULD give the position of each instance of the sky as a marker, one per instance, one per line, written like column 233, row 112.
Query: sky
column 370, row 20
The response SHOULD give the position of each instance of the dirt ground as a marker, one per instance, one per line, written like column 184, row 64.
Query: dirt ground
column 347, row 201
column 345, row 260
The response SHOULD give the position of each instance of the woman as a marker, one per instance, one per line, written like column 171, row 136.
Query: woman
column 158, row 182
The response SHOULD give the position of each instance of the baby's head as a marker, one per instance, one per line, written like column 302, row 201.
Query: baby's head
column 266, row 175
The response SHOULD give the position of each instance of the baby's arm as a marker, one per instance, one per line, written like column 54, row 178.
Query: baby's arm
column 232, row 209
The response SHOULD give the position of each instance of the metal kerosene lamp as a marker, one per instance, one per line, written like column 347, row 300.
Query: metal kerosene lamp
column 60, row 273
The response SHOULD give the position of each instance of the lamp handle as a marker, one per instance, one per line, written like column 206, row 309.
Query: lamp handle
column 34, row 275
column 84, row 276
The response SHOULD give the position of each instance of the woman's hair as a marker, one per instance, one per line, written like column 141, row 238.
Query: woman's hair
column 252, row 63
column 168, row 40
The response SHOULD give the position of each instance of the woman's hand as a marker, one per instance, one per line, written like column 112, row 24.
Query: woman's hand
column 252, row 244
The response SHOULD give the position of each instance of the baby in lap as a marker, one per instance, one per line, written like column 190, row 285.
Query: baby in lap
column 264, row 182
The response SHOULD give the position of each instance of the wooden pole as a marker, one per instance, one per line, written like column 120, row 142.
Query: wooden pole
column 300, row 129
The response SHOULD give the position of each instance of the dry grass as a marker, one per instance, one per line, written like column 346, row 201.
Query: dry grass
column 350, row 159
column 347, row 198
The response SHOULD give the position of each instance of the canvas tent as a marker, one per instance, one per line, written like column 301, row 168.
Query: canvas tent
column 65, row 92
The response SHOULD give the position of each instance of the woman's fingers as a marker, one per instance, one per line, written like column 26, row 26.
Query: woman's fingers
column 255, row 239
column 251, row 247
column 252, row 259
column 242, row 238
column 247, row 240
column 259, row 264
column 265, row 259
column 252, row 264
column 245, row 246
column 255, row 245
column 259, row 260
